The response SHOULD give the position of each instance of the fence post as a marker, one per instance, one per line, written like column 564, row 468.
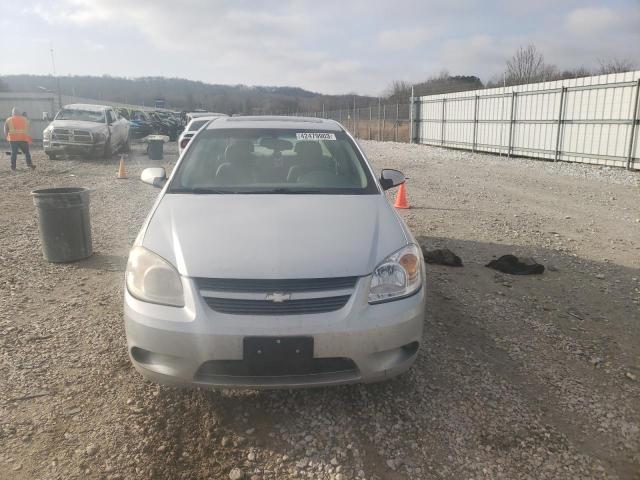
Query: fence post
column 370, row 119
column 514, row 96
column 560, row 124
column 442, row 123
column 634, row 125
column 356, row 113
column 378, row 119
column 397, row 120
column 384, row 119
column 353, row 122
column 475, row 124
column 414, row 110
column 411, row 116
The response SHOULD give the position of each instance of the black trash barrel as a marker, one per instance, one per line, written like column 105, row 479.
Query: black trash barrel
column 65, row 228
column 156, row 149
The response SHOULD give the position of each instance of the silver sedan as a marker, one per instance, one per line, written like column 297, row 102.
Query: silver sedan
column 272, row 258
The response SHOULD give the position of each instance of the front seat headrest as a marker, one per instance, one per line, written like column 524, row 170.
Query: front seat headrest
column 238, row 153
column 309, row 152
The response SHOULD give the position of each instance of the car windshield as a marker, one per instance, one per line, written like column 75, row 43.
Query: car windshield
column 272, row 161
column 80, row 115
column 197, row 125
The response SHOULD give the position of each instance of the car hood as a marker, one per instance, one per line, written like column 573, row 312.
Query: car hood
column 274, row 236
column 78, row 124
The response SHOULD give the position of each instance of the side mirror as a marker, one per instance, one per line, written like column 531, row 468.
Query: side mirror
column 390, row 178
column 155, row 176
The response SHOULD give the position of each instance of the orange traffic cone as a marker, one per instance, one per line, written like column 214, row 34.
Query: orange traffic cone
column 121, row 173
column 401, row 198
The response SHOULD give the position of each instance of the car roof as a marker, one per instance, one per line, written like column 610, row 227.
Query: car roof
column 205, row 114
column 274, row 121
column 87, row 107
column 199, row 119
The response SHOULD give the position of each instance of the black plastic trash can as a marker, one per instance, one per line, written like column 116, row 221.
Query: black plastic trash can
column 156, row 147
column 65, row 227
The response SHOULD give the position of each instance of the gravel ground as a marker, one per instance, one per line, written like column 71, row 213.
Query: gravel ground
column 519, row 377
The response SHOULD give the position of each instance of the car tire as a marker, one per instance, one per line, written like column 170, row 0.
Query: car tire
column 52, row 156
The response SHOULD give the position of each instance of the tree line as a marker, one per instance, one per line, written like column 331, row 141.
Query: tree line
column 527, row 65
column 182, row 94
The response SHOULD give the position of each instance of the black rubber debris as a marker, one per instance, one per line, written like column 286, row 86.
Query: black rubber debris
column 442, row 256
column 516, row 266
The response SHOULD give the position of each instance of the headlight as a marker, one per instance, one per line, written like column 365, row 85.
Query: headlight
column 99, row 137
column 151, row 278
column 398, row 276
column 46, row 133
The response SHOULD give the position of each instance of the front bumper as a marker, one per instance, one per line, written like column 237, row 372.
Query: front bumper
column 174, row 346
column 56, row 146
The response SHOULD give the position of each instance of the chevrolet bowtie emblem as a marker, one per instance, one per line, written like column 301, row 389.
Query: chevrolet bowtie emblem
column 278, row 297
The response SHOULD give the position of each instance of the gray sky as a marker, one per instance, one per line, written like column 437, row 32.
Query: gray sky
column 327, row 46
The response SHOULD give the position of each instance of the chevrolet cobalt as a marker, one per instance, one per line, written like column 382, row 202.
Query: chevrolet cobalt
column 272, row 258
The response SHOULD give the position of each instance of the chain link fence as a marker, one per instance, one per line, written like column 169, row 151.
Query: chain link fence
column 384, row 123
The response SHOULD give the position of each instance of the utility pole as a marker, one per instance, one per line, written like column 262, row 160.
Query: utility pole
column 53, row 64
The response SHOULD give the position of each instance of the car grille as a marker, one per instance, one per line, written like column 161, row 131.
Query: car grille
column 71, row 136
column 292, row 296
column 277, row 285
column 214, row 369
column 266, row 307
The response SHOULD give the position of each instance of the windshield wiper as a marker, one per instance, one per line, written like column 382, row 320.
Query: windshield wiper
column 266, row 191
column 200, row 190
column 286, row 190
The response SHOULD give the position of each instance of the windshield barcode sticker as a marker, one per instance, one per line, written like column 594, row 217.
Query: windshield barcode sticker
column 315, row 136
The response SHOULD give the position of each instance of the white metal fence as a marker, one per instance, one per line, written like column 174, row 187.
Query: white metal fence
column 34, row 104
column 589, row 120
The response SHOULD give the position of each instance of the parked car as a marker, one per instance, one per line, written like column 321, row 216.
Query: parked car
column 145, row 123
column 191, row 129
column 272, row 258
column 95, row 130
column 141, row 124
column 201, row 113
column 165, row 124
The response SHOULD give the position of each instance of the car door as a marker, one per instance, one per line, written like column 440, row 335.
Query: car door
column 113, row 134
column 125, row 127
column 122, row 125
column 115, row 128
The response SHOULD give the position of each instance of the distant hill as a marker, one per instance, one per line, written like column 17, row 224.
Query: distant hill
column 182, row 94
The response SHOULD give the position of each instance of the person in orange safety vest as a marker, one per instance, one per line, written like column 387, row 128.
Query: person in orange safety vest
column 16, row 130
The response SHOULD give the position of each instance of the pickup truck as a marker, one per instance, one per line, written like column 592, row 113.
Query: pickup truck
column 82, row 129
